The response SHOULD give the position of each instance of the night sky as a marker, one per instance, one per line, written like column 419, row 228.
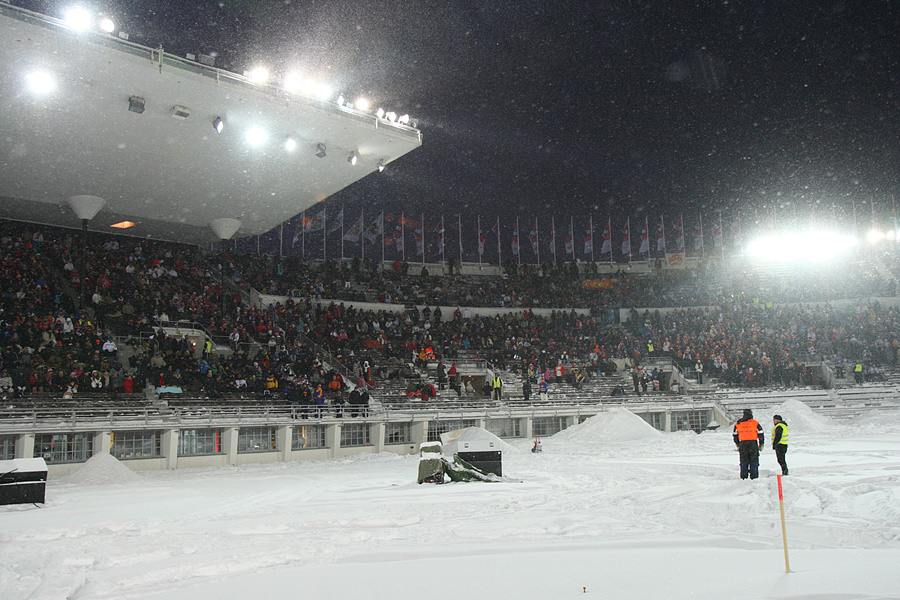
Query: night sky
column 572, row 108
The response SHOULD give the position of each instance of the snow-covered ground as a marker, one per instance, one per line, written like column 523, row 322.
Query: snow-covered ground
column 610, row 509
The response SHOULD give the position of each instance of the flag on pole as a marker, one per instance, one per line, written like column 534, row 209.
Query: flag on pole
column 353, row 234
column 607, row 239
column 439, row 229
column 314, row 223
column 375, row 229
column 553, row 238
column 626, row 237
column 480, row 241
column 736, row 230
column 339, row 222
column 419, row 234
column 496, row 230
column 661, row 236
column 297, row 232
column 589, row 239
column 398, row 238
column 533, row 237
column 717, row 232
column 570, row 239
column 514, row 240
column 645, row 238
column 679, row 233
column 698, row 234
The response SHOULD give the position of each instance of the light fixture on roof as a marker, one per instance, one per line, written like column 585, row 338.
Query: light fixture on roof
column 352, row 158
column 340, row 100
column 107, row 25
column 124, row 224
column 379, row 113
column 181, row 112
column 320, row 150
column 362, row 104
column 78, row 19
column 323, row 91
column 403, row 120
column 391, row 116
column 290, row 144
column 381, row 165
column 218, row 124
column 136, row 104
column 256, row 136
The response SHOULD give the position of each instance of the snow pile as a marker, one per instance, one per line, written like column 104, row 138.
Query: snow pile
column 614, row 425
column 102, row 469
column 798, row 416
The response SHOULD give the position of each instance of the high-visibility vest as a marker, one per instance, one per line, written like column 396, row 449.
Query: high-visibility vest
column 747, row 430
column 497, row 383
column 858, row 368
column 784, row 433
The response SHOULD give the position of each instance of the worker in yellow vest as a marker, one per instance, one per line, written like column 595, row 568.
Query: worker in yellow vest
column 780, row 442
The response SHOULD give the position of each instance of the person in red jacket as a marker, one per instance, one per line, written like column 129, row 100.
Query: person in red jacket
column 749, row 439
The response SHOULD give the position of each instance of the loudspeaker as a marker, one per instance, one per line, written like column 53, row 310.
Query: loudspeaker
column 23, row 481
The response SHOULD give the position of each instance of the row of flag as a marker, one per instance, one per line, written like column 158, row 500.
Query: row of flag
column 392, row 231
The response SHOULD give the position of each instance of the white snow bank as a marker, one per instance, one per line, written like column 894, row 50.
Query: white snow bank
column 617, row 425
column 102, row 469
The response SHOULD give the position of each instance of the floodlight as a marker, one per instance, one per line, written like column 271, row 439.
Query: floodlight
column 379, row 113
column 107, row 25
column 809, row 246
column 340, row 100
column 362, row 104
column 875, row 236
column 352, row 158
column 381, row 165
column 256, row 136
column 78, row 19
column 391, row 116
column 40, row 82
column 258, row 75
column 320, row 150
column 290, row 144
column 218, row 124
column 136, row 104
column 404, row 119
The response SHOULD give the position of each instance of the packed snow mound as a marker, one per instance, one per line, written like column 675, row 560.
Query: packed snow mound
column 451, row 439
column 614, row 425
column 102, row 469
column 797, row 415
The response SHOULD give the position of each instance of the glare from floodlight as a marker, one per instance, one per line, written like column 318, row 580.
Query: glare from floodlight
column 258, row 75
column 340, row 100
column 40, row 82
column 293, row 82
column 404, row 119
column 381, row 165
column 218, row 125
column 256, row 136
column 78, row 19
column 809, row 246
column 875, row 236
column 290, row 144
column 362, row 104
column 352, row 158
column 107, row 25
column 323, row 91
column 379, row 113
column 391, row 116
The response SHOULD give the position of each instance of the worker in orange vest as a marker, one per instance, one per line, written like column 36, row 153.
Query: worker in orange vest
column 749, row 439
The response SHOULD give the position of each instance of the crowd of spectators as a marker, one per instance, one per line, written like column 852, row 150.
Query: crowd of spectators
column 57, row 336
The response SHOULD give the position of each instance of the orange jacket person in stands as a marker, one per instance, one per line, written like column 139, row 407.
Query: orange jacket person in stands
column 749, row 439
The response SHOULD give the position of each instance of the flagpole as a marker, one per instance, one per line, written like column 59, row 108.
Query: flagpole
column 628, row 226
column 572, row 235
column 362, row 238
column 422, row 227
column 702, row 241
column 480, row 247
column 518, row 241
column 662, row 229
column 342, row 235
column 381, row 238
column 537, row 241
column 553, row 238
column 303, row 232
column 894, row 236
column 591, row 225
column 609, row 228
column 281, row 240
column 324, row 234
column 499, row 250
column 402, row 236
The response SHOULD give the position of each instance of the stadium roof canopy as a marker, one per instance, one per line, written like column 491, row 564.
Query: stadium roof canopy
column 88, row 113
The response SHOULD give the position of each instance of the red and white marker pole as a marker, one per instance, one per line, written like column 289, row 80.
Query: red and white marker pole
column 787, row 562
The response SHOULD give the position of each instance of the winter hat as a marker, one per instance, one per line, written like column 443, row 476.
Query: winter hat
column 777, row 417
column 748, row 414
